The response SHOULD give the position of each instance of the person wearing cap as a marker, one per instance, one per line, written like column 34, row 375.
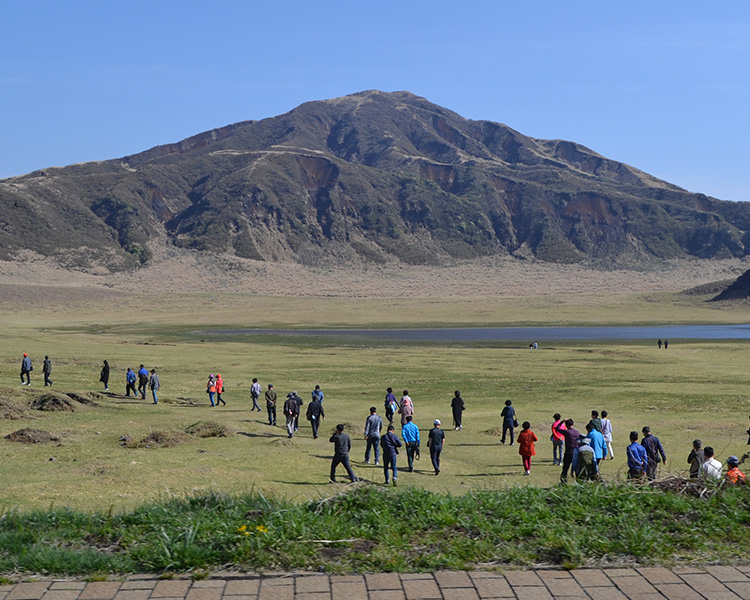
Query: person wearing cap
column 291, row 412
column 586, row 458
column 711, row 468
column 211, row 388
column 695, row 459
column 26, row 369
column 342, row 444
column 435, row 442
column 270, row 396
column 219, row 389
column 734, row 475
column 654, row 451
column 373, row 427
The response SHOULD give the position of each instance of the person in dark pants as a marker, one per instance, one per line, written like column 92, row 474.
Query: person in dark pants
column 142, row 381
column 571, row 447
column 695, row 459
column 458, row 407
column 435, row 442
column 342, row 444
column 271, row 404
column 410, row 433
column 373, row 427
column 291, row 412
column 154, row 385
column 509, row 421
column 130, row 383
column 104, row 376
column 654, row 452
column 47, row 370
column 391, row 405
column 315, row 414
column 26, row 369
column 390, row 445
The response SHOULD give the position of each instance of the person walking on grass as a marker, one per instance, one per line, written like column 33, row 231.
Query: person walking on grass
column 342, row 444
column 104, row 376
column 315, row 414
column 270, row 396
column 458, row 407
column 509, row 421
column 406, row 407
column 410, row 434
column 142, row 381
column 571, row 436
column 391, row 405
column 373, row 427
column 130, row 380
column 607, row 433
column 637, row 458
column 526, row 448
column 435, row 442
column 654, row 451
column 595, row 421
column 219, row 390
column 47, row 371
column 26, row 369
column 598, row 445
column 317, row 393
column 291, row 412
column 255, row 391
column 695, row 459
column 211, row 388
column 557, row 439
column 153, row 385
column 390, row 445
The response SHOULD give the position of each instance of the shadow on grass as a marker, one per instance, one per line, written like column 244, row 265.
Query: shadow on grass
column 260, row 435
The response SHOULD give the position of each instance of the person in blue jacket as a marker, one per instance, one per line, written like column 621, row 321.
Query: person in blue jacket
column 410, row 433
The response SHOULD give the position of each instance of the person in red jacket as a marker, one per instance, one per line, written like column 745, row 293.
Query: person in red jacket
column 219, row 390
column 526, row 449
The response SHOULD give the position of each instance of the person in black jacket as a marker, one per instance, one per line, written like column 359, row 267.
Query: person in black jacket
column 104, row 376
column 315, row 414
column 390, row 444
column 342, row 444
column 509, row 421
column 654, row 451
column 458, row 407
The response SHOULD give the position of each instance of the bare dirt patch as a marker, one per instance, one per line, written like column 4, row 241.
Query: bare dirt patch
column 53, row 402
column 13, row 409
column 156, row 439
column 207, row 429
column 32, row 436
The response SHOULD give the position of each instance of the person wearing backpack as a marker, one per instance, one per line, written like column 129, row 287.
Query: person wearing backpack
column 142, row 381
column 211, row 388
column 219, row 390
column 130, row 383
column 391, row 405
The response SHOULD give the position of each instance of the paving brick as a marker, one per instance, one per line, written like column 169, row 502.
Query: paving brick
column 61, row 594
column 726, row 574
column 132, row 595
column 208, row 583
column 387, row 595
column 203, row 593
column 460, row 594
column 565, row 587
column 28, row 591
column 383, row 581
column 271, row 590
column 632, row 586
column 453, row 579
column 313, row 596
column 349, row 590
column 247, row 597
column 170, row 589
column 313, row 583
column 659, row 575
column 678, row 591
column 348, row 579
column 410, row 576
column 553, row 575
column 605, row 593
column 703, row 583
column 591, row 578
column 741, row 588
column 686, row 569
column 612, row 573
column 495, row 587
column 100, row 590
column 139, row 584
column 532, row 592
column 242, row 587
column 523, row 578
column 421, row 589
column 67, row 585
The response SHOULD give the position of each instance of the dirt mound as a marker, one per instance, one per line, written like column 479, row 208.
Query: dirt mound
column 12, row 409
column 87, row 399
column 206, row 429
column 156, row 439
column 32, row 436
column 53, row 401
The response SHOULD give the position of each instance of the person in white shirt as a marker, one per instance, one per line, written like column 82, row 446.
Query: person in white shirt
column 607, row 433
column 255, row 392
column 711, row 468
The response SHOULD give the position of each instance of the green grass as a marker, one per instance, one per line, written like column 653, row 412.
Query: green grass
column 372, row 529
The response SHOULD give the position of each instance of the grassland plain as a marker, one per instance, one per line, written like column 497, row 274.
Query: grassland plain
column 696, row 389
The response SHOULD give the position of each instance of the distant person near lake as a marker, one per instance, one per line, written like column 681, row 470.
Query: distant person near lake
column 509, row 421
column 458, row 407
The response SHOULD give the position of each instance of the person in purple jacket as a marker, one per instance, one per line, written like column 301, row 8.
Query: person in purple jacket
column 571, row 446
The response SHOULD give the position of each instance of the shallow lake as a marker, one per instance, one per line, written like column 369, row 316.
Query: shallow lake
column 528, row 334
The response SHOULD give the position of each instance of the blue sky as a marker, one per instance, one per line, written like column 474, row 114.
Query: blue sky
column 663, row 86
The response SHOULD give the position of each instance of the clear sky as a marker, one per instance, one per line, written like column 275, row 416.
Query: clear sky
column 661, row 85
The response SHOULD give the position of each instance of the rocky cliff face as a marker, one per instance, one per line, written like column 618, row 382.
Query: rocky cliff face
column 373, row 177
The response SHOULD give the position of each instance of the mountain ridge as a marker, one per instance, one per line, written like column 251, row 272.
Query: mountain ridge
column 374, row 177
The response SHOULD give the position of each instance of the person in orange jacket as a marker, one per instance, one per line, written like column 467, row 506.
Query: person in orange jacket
column 219, row 390
column 211, row 388
column 526, row 449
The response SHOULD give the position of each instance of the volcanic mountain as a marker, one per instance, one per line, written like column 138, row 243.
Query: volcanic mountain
column 371, row 177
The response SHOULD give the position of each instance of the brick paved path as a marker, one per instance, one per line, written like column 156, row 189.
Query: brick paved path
column 682, row 583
